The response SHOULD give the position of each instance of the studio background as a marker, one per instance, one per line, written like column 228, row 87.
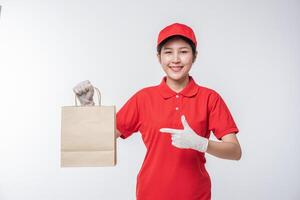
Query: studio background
column 248, row 52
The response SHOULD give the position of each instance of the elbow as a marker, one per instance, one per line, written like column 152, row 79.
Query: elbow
column 238, row 157
column 238, row 153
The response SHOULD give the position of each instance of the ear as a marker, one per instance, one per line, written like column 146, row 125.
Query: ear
column 196, row 54
column 158, row 57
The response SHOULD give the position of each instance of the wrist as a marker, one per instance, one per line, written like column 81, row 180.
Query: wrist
column 201, row 144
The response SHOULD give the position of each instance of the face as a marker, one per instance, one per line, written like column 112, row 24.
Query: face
column 176, row 59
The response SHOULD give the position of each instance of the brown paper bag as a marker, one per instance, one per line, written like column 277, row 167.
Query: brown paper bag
column 88, row 135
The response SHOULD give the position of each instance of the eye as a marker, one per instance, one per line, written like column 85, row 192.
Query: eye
column 184, row 51
column 167, row 52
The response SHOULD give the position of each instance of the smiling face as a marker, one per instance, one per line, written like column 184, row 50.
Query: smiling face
column 176, row 58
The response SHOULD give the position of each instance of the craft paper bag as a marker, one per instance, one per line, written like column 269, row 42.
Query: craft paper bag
column 88, row 135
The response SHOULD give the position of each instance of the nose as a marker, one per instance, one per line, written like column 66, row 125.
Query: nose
column 176, row 58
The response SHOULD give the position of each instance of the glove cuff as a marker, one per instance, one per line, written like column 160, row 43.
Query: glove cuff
column 202, row 144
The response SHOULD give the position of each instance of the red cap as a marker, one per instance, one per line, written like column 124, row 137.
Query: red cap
column 177, row 29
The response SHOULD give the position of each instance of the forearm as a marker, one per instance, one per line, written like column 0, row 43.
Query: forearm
column 225, row 150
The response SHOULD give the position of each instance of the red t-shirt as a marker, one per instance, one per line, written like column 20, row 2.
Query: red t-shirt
column 169, row 172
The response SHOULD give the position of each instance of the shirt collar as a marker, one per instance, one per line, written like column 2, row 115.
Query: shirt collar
column 189, row 90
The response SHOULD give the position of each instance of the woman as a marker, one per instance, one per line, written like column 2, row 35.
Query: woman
column 175, row 119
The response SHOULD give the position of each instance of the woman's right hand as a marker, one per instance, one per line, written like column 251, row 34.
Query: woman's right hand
column 85, row 92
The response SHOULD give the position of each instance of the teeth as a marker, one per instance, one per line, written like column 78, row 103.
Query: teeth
column 177, row 68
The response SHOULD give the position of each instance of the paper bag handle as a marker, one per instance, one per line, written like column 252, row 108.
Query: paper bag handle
column 98, row 94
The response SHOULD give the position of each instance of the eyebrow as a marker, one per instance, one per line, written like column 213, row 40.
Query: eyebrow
column 166, row 48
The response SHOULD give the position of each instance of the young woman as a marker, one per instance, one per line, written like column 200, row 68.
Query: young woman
column 175, row 119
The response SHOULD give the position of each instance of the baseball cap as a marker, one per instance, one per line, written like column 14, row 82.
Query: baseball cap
column 177, row 29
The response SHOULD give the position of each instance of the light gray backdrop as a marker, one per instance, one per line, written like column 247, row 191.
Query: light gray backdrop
column 248, row 52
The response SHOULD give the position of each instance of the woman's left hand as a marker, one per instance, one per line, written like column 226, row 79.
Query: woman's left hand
column 186, row 138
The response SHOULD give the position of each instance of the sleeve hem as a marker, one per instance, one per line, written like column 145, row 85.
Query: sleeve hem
column 227, row 131
column 124, row 134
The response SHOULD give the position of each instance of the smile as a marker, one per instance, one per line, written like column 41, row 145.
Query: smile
column 176, row 68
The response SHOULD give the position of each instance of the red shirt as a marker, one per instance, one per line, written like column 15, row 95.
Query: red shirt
column 169, row 172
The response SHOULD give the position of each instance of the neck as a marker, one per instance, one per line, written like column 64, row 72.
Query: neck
column 177, row 85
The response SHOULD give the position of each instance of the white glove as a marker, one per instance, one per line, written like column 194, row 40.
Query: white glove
column 85, row 92
column 186, row 138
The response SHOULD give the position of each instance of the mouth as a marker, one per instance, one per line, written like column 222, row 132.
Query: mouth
column 176, row 68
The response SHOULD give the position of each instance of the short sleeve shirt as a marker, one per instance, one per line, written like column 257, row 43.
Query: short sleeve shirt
column 169, row 172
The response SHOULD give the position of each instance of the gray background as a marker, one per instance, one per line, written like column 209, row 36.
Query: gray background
column 248, row 52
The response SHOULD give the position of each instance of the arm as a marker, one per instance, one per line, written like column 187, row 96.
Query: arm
column 229, row 148
column 118, row 133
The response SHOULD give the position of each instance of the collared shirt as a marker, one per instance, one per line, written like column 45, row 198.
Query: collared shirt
column 169, row 172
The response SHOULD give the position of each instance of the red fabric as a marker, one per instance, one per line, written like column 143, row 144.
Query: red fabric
column 168, row 172
column 177, row 29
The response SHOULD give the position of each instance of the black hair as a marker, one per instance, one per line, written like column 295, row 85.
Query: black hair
column 190, row 42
